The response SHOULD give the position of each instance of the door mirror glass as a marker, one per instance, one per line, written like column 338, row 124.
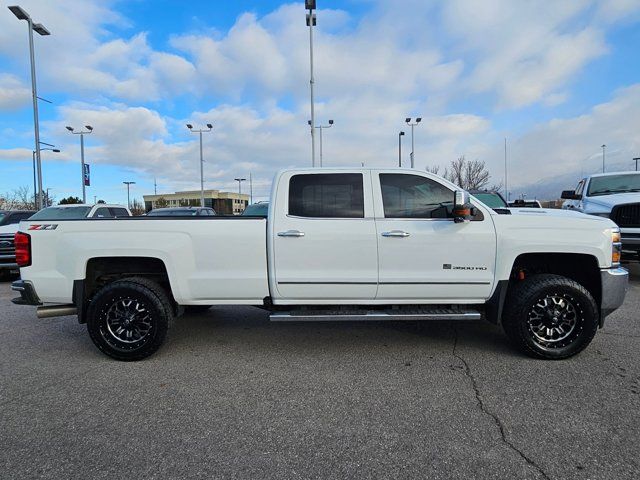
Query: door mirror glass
column 462, row 209
column 570, row 195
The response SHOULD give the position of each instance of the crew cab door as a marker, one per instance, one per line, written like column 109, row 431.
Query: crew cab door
column 323, row 236
column 423, row 253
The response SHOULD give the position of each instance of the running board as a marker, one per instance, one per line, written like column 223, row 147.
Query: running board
column 373, row 315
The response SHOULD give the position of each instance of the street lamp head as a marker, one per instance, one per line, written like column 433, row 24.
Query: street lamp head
column 56, row 150
column 401, row 133
column 330, row 122
column 209, row 126
column 309, row 122
column 89, row 127
column 308, row 5
column 39, row 28
column 189, row 126
column 408, row 120
column 19, row 12
column 69, row 128
column 418, row 120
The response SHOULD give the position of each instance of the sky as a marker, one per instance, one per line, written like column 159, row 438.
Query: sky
column 556, row 79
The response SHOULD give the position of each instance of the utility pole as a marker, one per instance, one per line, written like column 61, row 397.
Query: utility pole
column 155, row 186
column 506, row 188
column 200, row 131
column 400, row 135
column 82, row 133
column 250, row 187
column 311, row 22
column 128, row 184
column 320, row 127
column 603, row 149
column 40, row 29
column 412, row 124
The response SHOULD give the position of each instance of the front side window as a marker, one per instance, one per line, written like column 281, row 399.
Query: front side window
column 119, row 212
column 580, row 187
column 327, row 195
column 412, row 196
column 103, row 212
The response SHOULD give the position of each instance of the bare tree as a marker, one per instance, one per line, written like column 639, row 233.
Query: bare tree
column 469, row 174
column 137, row 207
column 433, row 169
column 19, row 199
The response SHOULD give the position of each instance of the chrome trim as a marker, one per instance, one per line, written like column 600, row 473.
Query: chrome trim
column 396, row 233
column 615, row 282
column 56, row 311
column 291, row 233
column 372, row 316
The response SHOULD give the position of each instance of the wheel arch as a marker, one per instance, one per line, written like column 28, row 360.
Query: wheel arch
column 580, row 267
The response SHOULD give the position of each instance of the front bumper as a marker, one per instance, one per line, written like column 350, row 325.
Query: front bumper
column 614, row 288
column 28, row 295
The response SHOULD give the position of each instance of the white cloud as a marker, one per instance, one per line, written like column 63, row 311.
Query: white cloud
column 13, row 93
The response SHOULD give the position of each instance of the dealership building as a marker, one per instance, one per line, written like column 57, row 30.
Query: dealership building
column 224, row 203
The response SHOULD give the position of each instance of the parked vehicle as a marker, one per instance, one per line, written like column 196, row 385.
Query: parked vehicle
column 492, row 199
column 338, row 244
column 521, row 203
column 258, row 209
column 182, row 212
column 80, row 211
column 610, row 195
column 9, row 222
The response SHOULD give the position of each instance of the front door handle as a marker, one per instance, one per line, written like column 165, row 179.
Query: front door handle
column 396, row 233
column 291, row 233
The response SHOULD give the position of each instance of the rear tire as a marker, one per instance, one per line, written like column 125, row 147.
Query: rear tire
column 550, row 317
column 128, row 319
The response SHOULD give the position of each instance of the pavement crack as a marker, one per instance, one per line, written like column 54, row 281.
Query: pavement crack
column 483, row 408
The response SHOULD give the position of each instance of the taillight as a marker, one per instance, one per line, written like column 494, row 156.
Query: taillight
column 22, row 242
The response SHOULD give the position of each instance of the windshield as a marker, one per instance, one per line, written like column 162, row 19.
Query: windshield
column 172, row 213
column 491, row 200
column 614, row 184
column 61, row 213
column 257, row 210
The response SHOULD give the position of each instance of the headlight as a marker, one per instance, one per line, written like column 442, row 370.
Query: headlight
column 616, row 246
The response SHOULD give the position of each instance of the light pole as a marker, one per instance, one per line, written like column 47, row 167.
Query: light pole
column 41, row 30
column 412, row 124
column 239, row 180
column 636, row 160
column 200, row 132
column 82, row 133
column 33, row 157
column 311, row 22
column 128, row 184
column 603, row 149
column 320, row 127
column 400, row 135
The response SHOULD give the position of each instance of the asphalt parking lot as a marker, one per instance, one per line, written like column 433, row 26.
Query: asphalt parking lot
column 231, row 395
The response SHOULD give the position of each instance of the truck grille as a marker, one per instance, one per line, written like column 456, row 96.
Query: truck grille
column 626, row 215
column 7, row 248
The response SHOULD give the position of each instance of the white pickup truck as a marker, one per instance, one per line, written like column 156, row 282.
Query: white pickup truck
column 338, row 244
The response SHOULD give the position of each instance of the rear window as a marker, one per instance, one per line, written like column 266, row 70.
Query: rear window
column 61, row 213
column 326, row 195
column 119, row 212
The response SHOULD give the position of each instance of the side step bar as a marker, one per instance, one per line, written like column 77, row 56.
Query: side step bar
column 374, row 315
column 56, row 311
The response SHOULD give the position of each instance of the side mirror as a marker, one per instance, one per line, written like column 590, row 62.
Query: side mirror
column 570, row 195
column 462, row 209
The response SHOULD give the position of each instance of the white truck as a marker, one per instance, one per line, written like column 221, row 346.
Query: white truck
column 338, row 244
column 613, row 195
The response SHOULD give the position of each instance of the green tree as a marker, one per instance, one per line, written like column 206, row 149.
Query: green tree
column 161, row 203
column 70, row 201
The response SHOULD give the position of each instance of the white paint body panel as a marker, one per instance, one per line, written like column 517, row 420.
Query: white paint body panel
column 217, row 260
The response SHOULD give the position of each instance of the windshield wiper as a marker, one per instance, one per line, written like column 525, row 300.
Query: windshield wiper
column 626, row 190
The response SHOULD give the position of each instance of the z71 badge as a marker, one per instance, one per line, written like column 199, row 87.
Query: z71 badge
column 52, row 226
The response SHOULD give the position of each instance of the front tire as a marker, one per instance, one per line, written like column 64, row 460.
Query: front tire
column 128, row 319
column 550, row 317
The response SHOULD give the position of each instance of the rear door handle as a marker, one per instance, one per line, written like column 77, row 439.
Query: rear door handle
column 396, row 233
column 291, row 233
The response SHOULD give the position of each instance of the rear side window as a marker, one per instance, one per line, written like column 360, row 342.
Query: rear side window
column 119, row 212
column 103, row 212
column 326, row 195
